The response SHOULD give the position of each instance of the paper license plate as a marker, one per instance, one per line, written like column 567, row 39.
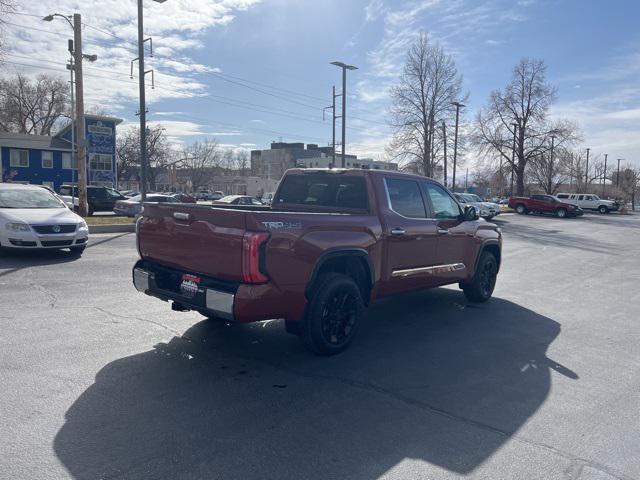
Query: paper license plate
column 190, row 284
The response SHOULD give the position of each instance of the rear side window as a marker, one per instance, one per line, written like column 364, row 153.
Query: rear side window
column 324, row 190
column 405, row 198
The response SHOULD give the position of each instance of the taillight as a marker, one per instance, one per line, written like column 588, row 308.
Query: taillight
column 252, row 250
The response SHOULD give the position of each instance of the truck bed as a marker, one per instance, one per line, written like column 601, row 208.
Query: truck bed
column 208, row 239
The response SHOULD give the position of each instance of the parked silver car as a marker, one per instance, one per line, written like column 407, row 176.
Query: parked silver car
column 486, row 210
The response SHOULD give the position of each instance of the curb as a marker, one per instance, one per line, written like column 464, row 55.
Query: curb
column 126, row 228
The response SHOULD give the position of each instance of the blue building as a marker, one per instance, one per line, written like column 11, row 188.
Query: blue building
column 46, row 160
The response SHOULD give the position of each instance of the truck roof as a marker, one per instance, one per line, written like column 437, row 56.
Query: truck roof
column 356, row 171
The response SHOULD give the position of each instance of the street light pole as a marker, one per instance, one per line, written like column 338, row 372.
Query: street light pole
column 73, row 122
column 80, row 127
column 79, row 124
column 458, row 105
column 344, row 67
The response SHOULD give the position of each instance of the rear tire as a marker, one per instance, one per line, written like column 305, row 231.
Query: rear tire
column 561, row 213
column 481, row 286
column 333, row 315
column 603, row 209
column 521, row 209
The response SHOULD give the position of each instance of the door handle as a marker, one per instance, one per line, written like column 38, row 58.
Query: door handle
column 443, row 231
column 398, row 231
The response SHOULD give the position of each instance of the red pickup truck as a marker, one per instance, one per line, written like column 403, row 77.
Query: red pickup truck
column 332, row 242
column 544, row 204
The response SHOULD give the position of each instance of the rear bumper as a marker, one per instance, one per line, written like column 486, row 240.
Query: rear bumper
column 237, row 302
column 209, row 301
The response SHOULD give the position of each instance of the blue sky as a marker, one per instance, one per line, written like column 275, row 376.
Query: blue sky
column 592, row 50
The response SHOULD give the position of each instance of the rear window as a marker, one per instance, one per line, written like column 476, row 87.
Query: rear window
column 324, row 190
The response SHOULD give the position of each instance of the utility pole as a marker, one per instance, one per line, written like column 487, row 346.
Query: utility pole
column 550, row 178
column 604, row 176
column 618, row 174
column 458, row 105
column 75, row 48
column 466, row 181
column 80, row 127
column 143, row 105
column 513, row 156
column 444, row 136
column 344, row 67
column 586, row 171
column 333, row 118
column 73, row 122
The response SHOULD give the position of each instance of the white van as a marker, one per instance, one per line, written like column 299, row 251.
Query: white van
column 588, row 201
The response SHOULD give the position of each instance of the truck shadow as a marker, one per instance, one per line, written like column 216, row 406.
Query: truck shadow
column 430, row 378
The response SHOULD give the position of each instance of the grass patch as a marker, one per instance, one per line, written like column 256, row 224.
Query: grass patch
column 110, row 220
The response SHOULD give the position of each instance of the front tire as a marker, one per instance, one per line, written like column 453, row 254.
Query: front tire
column 603, row 209
column 77, row 250
column 333, row 315
column 561, row 213
column 483, row 282
column 521, row 209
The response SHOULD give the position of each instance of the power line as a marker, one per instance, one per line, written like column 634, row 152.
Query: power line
column 37, row 29
column 188, row 94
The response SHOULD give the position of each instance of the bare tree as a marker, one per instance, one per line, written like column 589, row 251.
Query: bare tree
column 159, row 154
column 429, row 83
column 519, row 110
column 551, row 167
column 201, row 160
column 577, row 170
column 6, row 7
column 33, row 107
column 242, row 162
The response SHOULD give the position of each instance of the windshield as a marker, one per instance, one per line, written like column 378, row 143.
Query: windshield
column 474, row 198
column 29, row 198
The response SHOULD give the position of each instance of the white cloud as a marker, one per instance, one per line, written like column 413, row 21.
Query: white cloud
column 373, row 10
column 110, row 31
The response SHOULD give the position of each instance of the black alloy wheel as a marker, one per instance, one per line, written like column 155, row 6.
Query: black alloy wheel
column 333, row 314
column 481, row 286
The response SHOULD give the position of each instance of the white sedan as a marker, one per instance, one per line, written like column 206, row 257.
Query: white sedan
column 31, row 217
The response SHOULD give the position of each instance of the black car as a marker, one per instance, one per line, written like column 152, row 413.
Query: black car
column 99, row 199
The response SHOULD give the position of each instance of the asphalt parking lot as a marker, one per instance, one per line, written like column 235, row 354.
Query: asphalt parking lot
column 543, row 381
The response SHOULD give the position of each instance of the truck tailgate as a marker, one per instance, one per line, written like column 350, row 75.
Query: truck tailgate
column 198, row 239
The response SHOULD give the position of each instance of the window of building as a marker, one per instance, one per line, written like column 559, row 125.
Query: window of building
column 100, row 161
column 405, row 198
column 67, row 162
column 48, row 184
column 47, row 159
column 19, row 158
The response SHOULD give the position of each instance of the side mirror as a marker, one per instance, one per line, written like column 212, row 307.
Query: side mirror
column 470, row 213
